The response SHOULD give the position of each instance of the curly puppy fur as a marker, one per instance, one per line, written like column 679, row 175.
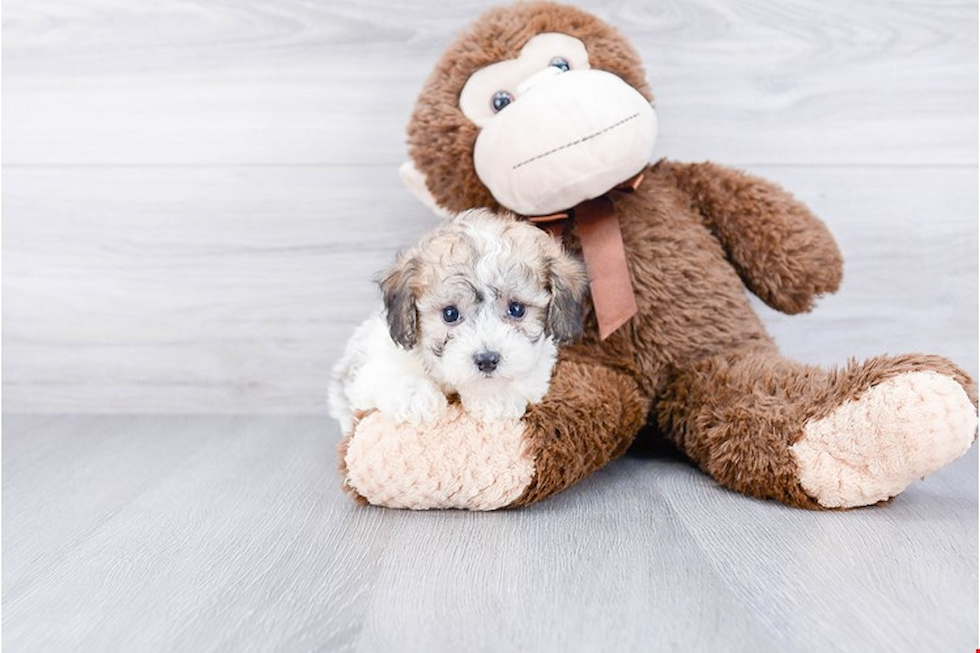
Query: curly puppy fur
column 475, row 310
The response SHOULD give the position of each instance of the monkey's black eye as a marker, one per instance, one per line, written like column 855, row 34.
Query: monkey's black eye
column 561, row 63
column 450, row 314
column 515, row 310
column 500, row 100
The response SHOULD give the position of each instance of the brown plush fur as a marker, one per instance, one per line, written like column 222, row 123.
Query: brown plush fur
column 695, row 360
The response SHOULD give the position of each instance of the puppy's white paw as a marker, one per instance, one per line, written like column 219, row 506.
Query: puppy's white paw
column 492, row 407
column 416, row 401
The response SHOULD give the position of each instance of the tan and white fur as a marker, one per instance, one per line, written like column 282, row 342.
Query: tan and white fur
column 476, row 310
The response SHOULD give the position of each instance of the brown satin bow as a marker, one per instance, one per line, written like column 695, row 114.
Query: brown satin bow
column 605, row 256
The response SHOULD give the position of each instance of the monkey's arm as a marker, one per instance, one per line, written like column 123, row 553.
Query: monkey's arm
column 783, row 253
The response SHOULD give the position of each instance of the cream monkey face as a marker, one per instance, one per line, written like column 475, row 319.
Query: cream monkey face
column 553, row 130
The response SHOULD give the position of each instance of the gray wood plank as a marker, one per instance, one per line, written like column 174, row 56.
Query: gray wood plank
column 175, row 82
column 240, row 542
column 585, row 571
column 221, row 290
column 71, row 470
column 839, row 578
column 247, row 544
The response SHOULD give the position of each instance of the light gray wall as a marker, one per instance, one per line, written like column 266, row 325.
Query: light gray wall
column 196, row 194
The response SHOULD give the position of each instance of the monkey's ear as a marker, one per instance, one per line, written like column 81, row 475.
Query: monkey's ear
column 414, row 180
column 569, row 286
column 399, row 299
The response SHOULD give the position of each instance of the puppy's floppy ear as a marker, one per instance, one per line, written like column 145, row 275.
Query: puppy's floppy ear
column 569, row 285
column 397, row 286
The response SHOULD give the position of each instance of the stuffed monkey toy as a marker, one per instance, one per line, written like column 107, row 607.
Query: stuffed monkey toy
column 545, row 111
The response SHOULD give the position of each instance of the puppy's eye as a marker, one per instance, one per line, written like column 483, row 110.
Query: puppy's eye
column 515, row 310
column 450, row 314
column 561, row 63
column 500, row 100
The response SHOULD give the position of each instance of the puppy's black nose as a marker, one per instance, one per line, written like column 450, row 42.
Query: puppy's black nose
column 487, row 361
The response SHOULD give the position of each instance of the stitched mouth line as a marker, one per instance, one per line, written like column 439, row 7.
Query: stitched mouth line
column 581, row 140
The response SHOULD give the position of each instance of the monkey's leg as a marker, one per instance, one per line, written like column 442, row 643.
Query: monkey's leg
column 589, row 417
column 773, row 428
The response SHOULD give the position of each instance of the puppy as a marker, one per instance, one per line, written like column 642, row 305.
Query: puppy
column 477, row 310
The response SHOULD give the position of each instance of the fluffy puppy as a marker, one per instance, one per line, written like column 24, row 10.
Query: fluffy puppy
column 477, row 310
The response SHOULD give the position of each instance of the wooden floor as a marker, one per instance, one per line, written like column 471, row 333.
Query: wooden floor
column 229, row 533
column 195, row 198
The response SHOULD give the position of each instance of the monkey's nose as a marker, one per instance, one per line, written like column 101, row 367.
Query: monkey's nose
column 486, row 361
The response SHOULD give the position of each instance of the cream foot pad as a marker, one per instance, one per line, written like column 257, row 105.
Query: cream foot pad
column 872, row 448
column 455, row 463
